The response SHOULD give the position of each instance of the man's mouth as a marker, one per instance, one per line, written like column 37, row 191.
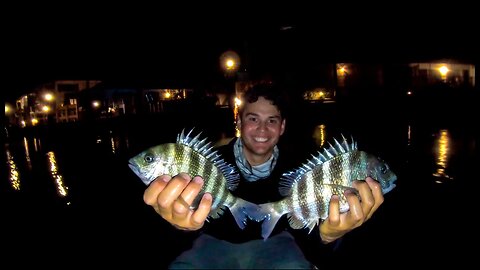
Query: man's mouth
column 260, row 139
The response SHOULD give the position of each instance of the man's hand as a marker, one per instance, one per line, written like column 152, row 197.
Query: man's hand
column 171, row 198
column 338, row 224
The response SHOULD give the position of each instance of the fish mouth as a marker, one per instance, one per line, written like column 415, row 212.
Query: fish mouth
column 388, row 188
column 137, row 172
column 134, row 169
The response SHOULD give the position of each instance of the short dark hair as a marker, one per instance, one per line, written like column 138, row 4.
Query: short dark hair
column 269, row 91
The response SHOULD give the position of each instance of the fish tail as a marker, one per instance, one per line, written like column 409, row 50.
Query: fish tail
column 268, row 213
column 239, row 212
column 271, row 218
column 254, row 211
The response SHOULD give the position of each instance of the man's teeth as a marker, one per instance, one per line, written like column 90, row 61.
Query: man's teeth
column 260, row 139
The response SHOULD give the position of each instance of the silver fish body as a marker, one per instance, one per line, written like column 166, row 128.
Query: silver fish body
column 309, row 188
column 195, row 157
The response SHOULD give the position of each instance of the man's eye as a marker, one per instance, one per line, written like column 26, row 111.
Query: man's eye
column 273, row 121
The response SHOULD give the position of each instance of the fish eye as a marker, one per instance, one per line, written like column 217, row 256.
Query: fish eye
column 383, row 169
column 148, row 158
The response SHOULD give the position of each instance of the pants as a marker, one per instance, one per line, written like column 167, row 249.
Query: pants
column 277, row 252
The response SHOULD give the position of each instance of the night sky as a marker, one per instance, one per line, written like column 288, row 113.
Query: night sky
column 185, row 48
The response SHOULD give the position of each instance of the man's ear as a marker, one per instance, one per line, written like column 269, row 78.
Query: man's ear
column 282, row 128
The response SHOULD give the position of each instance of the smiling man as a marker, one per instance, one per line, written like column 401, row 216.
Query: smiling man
column 220, row 243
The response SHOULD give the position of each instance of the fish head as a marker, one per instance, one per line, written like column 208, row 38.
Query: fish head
column 382, row 172
column 153, row 162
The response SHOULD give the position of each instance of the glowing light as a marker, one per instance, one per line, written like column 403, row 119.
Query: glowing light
column 230, row 61
column 443, row 70
column 341, row 70
column 230, row 64
column 237, row 102
column 48, row 97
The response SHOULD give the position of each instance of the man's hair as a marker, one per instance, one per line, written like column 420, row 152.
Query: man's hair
column 274, row 93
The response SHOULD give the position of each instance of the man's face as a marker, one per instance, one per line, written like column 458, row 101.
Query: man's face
column 261, row 126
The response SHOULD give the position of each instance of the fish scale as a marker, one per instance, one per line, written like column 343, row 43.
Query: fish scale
column 308, row 189
column 195, row 157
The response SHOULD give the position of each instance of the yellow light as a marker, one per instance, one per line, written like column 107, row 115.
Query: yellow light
column 238, row 101
column 443, row 70
column 48, row 97
column 230, row 61
column 46, row 108
column 7, row 108
column 230, row 64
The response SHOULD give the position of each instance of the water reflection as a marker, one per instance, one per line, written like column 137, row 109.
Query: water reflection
column 14, row 175
column 319, row 134
column 114, row 142
column 409, row 135
column 37, row 144
column 57, row 177
column 27, row 153
column 442, row 154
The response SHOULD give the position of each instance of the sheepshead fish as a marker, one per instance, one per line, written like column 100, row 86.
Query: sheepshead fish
column 195, row 157
column 308, row 189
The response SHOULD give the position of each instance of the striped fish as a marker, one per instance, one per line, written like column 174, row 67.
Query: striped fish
column 308, row 189
column 195, row 157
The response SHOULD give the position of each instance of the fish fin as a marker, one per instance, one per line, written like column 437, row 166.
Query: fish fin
column 254, row 211
column 205, row 148
column 312, row 225
column 242, row 210
column 270, row 221
column 231, row 174
column 216, row 213
column 265, row 212
column 286, row 183
column 297, row 223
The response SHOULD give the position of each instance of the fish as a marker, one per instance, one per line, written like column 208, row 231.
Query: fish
column 195, row 156
column 307, row 189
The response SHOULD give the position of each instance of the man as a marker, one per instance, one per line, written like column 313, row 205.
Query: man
column 220, row 243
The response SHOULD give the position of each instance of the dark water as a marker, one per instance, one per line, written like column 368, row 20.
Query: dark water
column 69, row 199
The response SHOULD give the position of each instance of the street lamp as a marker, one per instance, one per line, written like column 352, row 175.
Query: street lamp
column 230, row 62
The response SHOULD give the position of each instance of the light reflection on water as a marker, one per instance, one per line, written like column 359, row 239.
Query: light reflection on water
column 55, row 173
column 442, row 154
column 118, row 144
column 27, row 153
column 14, row 175
column 319, row 135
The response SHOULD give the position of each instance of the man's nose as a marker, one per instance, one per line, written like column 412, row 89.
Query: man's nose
column 262, row 125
